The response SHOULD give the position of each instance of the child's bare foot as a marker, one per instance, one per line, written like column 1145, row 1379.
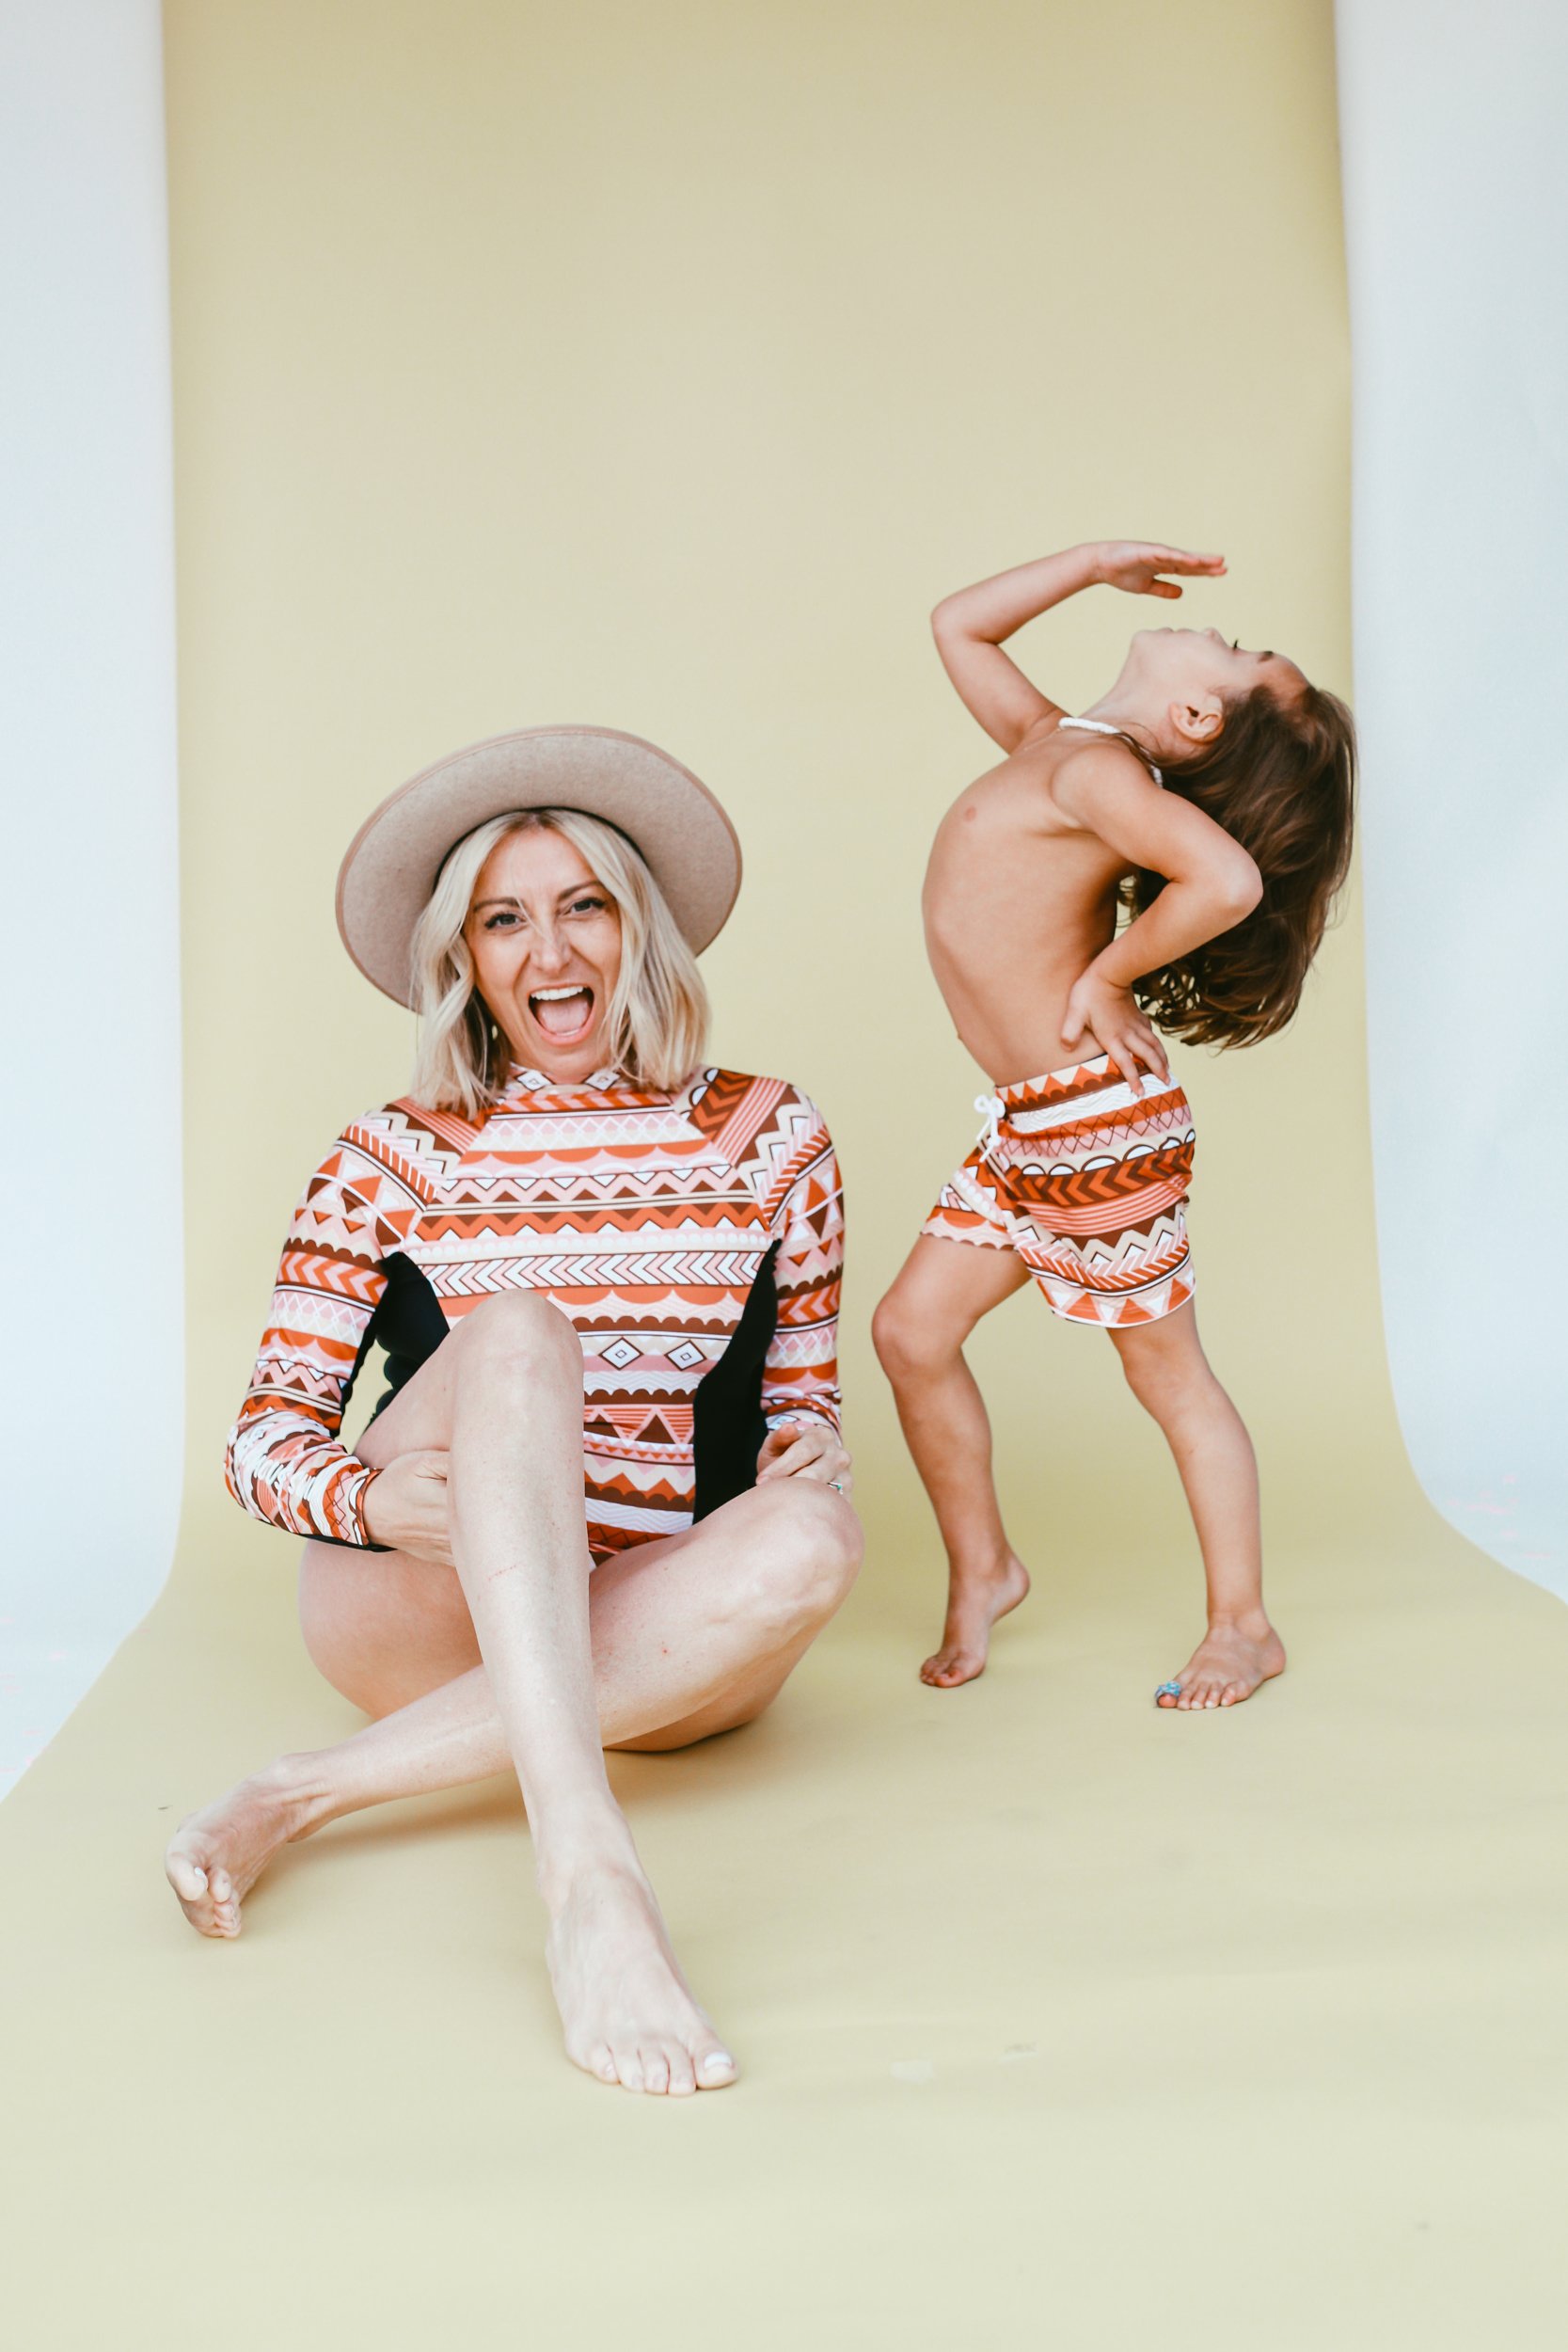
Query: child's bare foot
column 975, row 1599
column 1227, row 1665
column 627, row 2011
column 216, row 1858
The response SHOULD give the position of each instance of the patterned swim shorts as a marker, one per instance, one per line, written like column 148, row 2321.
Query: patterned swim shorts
column 1088, row 1181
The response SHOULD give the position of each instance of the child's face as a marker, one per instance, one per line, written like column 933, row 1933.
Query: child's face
column 1197, row 666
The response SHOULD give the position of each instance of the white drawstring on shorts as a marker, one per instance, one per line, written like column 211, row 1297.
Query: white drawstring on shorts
column 993, row 1106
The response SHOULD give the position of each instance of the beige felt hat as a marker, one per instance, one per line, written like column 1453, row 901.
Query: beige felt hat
column 390, row 871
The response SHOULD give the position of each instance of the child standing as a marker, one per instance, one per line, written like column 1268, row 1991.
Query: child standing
column 1208, row 794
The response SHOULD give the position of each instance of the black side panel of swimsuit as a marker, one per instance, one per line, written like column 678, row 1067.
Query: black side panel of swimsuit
column 728, row 1427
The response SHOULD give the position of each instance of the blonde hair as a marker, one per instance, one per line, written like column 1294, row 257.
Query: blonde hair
column 655, row 1025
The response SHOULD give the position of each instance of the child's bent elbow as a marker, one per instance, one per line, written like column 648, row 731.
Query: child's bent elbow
column 1244, row 888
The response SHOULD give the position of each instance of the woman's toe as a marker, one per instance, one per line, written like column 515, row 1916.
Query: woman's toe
column 715, row 2068
column 683, row 2073
column 655, row 2071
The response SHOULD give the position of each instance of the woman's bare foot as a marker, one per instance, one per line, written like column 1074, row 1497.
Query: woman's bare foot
column 1227, row 1665
column 216, row 1858
column 627, row 2011
column 975, row 1599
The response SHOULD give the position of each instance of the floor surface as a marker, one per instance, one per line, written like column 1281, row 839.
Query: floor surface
column 1063, row 2020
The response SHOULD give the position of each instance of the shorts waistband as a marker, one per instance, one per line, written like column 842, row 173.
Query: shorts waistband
column 1063, row 1095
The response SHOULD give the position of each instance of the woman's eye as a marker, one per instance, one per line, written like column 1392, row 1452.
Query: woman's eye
column 504, row 921
column 587, row 906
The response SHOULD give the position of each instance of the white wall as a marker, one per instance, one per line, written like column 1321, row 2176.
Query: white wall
column 89, row 1155
column 1456, row 194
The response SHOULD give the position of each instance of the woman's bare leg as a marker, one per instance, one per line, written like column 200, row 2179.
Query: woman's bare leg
column 1170, row 1376
column 920, row 1329
column 691, row 1635
column 522, row 1565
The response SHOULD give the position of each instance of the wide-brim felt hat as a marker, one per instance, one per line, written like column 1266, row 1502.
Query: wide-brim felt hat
column 390, row 869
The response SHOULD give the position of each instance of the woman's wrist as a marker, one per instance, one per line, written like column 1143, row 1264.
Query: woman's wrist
column 367, row 1502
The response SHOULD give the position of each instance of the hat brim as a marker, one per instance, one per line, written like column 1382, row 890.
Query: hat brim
column 386, row 879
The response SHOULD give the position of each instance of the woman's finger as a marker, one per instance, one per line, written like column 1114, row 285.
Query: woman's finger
column 805, row 1448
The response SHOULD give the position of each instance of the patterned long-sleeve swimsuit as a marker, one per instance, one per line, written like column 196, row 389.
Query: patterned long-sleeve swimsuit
column 693, row 1239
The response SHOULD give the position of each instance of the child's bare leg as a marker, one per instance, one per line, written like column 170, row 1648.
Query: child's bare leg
column 1169, row 1374
column 920, row 1328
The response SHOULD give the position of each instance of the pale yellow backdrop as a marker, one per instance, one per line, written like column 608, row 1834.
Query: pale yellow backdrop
column 660, row 367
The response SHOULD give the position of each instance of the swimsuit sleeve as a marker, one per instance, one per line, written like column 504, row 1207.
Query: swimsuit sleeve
column 284, row 1463
column 800, row 1374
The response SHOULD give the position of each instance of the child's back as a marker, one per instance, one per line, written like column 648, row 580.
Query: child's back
column 1021, row 896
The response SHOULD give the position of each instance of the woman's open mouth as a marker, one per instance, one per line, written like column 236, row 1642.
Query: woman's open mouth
column 565, row 1014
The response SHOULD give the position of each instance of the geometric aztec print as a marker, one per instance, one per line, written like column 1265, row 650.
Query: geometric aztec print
column 645, row 1216
column 1088, row 1181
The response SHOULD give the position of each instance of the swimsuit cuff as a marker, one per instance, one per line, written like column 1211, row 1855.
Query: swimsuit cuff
column 783, row 1413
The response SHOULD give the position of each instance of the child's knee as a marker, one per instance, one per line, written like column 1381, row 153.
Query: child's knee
column 1162, row 1381
column 902, row 1338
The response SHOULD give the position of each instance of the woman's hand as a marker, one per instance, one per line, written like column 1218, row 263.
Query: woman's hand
column 1111, row 1016
column 405, row 1507
column 804, row 1449
column 1135, row 565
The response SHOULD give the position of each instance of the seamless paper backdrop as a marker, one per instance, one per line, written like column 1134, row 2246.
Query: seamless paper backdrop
column 662, row 368
column 1461, row 506
column 664, row 371
column 89, row 1118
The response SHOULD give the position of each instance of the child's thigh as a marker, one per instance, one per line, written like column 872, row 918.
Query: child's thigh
column 1166, row 1348
column 944, row 1287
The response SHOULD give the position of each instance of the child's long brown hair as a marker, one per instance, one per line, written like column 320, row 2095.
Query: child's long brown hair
column 1281, row 781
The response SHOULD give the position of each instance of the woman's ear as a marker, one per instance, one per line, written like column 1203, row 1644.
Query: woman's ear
column 1198, row 722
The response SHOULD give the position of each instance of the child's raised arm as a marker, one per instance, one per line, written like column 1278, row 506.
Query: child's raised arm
column 971, row 626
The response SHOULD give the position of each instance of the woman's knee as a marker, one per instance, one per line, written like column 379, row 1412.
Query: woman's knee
column 803, row 1551
column 520, row 1331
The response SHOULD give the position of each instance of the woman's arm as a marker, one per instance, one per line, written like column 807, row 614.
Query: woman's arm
column 284, row 1462
column 800, row 1398
column 1211, row 884
column 971, row 627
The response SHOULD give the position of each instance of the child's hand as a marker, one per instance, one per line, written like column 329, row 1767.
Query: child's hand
column 1135, row 565
column 1111, row 1016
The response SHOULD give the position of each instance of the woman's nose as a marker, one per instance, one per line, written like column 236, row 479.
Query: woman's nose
column 548, row 949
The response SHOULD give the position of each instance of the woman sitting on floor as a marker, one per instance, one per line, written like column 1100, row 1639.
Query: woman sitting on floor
column 606, row 1278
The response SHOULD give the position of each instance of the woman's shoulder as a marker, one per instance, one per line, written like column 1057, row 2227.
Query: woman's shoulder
column 407, row 1139
column 767, row 1129
column 718, row 1096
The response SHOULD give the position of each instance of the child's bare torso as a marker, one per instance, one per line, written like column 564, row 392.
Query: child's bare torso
column 1019, row 901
